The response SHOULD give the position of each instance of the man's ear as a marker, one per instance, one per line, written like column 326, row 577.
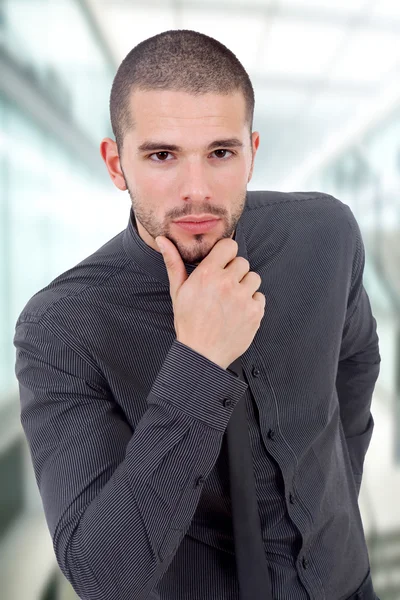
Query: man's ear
column 255, row 142
column 109, row 153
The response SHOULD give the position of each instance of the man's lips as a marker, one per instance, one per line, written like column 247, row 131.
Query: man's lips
column 200, row 219
column 198, row 226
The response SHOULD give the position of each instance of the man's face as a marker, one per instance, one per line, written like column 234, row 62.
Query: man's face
column 166, row 184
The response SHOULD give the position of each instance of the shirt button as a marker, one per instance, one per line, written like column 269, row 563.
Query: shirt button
column 305, row 562
column 199, row 481
column 271, row 434
column 227, row 402
column 291, row 498
column 255, row 372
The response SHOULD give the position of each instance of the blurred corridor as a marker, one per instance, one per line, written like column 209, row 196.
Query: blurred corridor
column 326, row 78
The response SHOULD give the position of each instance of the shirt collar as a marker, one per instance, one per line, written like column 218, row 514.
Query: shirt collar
column 152, row 261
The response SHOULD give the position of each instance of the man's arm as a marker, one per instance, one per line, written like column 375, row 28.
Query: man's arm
column 359, row 359
column 118, row 503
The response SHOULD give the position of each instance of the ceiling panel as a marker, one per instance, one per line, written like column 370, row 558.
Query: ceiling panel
column 344, row 6
column 368, row 57
column 240, row 3
column 387, row 8
column 299, row 49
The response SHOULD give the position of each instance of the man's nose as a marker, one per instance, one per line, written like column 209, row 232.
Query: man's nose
column 195, row 181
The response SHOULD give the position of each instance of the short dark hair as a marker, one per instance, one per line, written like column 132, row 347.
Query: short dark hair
column 179, row 60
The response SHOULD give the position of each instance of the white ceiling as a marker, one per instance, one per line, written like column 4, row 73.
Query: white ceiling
column 316, row 65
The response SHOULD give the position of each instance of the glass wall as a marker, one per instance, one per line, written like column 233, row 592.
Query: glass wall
column 55, row 43
column 57, row 206
column 367, row 174
column 48, row 195
column 367, row 177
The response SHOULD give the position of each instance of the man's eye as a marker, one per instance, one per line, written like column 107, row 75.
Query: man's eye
column 222, row 150
column 157, row 154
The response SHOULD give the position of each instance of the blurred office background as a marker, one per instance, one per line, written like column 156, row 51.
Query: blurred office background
column 327, row 83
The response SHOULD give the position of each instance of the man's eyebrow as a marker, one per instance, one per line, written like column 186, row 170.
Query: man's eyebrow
column 152, row 146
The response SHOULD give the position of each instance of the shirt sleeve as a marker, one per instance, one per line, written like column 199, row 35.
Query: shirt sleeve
column 118, row 502
column 359, row 362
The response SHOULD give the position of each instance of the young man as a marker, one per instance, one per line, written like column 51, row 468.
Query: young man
column 122, row 361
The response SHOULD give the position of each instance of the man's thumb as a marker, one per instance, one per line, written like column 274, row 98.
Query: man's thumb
column 175, row 267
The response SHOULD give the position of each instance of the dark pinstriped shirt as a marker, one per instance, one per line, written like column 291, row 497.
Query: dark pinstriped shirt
column 126, row 425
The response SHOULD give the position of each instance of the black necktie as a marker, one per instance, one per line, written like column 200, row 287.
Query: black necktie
column 251, row 563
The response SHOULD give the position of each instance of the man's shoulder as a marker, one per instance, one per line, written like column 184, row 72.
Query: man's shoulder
column 272, row 219
column 314, row 206
column 265, row 198
column 86, row 277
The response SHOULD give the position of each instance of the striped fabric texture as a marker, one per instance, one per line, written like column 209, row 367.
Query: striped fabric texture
column 126, row 425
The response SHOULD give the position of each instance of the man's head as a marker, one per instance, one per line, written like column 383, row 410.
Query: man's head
column 181, row 111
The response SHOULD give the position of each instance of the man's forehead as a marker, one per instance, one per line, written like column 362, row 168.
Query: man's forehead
column 172, row 104
column 161, row 116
